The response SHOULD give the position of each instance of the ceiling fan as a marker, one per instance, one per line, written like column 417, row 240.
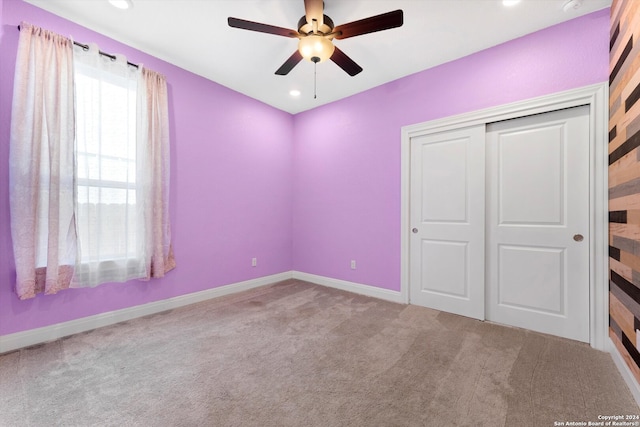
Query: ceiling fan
column 316, row 33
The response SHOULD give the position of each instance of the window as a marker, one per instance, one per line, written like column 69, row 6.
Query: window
column 110, row 221
column 89, row 167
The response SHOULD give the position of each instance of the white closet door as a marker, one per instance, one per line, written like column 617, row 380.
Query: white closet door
column 447, row 213
column 538, row 223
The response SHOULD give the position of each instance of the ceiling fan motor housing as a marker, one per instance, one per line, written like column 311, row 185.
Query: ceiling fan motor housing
column 305, row 27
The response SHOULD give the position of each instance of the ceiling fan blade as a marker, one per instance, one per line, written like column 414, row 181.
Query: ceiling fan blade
column 314, row 9
column 346, row 63
column 261, row 28
column 289, row 64
column 372, row 24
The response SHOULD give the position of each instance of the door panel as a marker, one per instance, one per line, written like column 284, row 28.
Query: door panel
column 531, row 176
column 538, row 200
column 444, row 161
column 447, row 217
column 441, row 261
column 531, row 278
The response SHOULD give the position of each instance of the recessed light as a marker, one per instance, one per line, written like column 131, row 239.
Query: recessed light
column 294, row 92
column 510, row 3
column 121, row 4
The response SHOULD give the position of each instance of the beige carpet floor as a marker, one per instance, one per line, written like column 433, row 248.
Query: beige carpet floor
column 298, row 354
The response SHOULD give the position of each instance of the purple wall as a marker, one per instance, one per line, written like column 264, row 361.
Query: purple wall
column 347, row 183
column 223, row 173
column 345, row 199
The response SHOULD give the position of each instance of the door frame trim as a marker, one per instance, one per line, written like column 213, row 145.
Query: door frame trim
column 596, row 97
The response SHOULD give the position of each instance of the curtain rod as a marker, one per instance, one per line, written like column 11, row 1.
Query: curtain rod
column 108, row 55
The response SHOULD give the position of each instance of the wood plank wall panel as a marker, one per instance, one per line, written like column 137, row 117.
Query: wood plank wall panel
column 624, row 181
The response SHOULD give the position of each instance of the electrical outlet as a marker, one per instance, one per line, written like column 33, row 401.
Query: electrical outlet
column 254, row 262
column 353, row 264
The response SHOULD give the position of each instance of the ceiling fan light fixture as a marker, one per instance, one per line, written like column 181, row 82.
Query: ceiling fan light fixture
column 315, row 48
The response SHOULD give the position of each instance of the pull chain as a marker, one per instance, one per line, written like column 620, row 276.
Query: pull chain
column 315, row 78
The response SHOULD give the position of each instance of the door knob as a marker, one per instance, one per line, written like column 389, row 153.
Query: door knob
column 414, row 230
column 578, row 237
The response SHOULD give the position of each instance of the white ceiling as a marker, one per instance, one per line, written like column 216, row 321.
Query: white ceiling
column 194, row 35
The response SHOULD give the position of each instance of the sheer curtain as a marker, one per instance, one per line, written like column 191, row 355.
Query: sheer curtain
column 110, row 174
column 41, row 163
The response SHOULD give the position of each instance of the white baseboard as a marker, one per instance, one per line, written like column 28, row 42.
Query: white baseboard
column 356, row 288
column 626, row 373
column 49, row 333
column 32, row 337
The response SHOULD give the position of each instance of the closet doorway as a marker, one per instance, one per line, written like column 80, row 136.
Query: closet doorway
column 501, row 222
